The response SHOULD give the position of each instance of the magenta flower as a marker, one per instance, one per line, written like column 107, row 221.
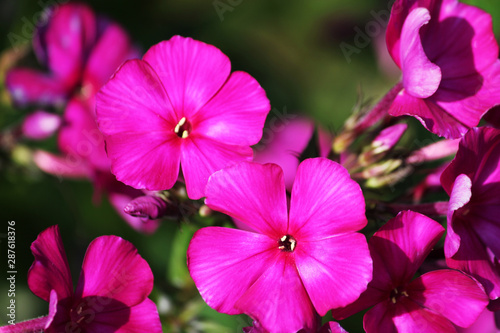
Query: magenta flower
column 448, row 55
column 302, row 260
column 329, row 327
column 40, row 125
column 75, row 47
column 179, row 105
column 111, row 294
column 431, row 302
column 473, row 182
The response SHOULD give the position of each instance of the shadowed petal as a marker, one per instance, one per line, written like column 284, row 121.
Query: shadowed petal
column 64, row 166
column 451, row 294
column 112, row 268
column 278, row 299
column 459, row 197
column 50, row 270
column 252, row 193
column 379, row 318
column 191, row 71
column 403, row 243
column 225, row 262
column 325, row 201
column 342, row 265
column 236, row 114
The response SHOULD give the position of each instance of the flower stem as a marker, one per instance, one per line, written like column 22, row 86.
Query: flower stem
column 28, row 326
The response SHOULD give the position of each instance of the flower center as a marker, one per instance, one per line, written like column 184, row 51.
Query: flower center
column 287, row 243
column 396, row 294
column 183, row 128
column 81, row 314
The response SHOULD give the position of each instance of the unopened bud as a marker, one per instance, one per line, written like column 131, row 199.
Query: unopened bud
column 384, row 142
column 148, row 207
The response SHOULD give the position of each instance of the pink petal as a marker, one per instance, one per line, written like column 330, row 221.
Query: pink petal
column 342, row 265
column 112, row 268
column 433, row 117
column 140, row 318
column 485, row 324
column 201, row 157
column 104, row 61
column 71, row 32
column 50, row 270
column 252, row 193
column 459, row 197
column 412, row 318
column 192, row 72
column 64, row 166
column 278, row 299
column 451, row 294
column 59, row 316
column 79, row 136
column 27, row 86
column 332, row 327
column 403, row 243
column 284, row 144
column 475, row 259
column 368, row 298
column 379, row 318
column 135, row 116
column 236, row 114
column 325, row 201
column 225, row 262
column 40, row 125
column 421, row 77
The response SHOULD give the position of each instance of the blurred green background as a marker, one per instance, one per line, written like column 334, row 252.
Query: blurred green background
column 293, row 48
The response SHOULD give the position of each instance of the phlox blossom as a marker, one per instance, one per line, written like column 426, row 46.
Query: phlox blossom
column 179, row 107
column 299, row 260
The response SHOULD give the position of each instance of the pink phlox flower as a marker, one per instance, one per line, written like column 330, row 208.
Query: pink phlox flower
column 180, row 106
column 80, row 51
column 329, row 327
column 473, row 182
column 299, row 261
column 449, row 58
column 432, row 302
column 112, row 291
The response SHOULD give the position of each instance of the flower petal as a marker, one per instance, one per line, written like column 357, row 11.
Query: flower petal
column 104, row 61
column 64, row 166
column 50, row 270
column 342, row 265
column 27, row 86
column 433, row 117
column 459, row 197
column 135, row 116
column 40, row 125
column 201, row 157
column 236, row 114
column 69, row 36
column 192, row 72
column 451, row 294
column 325, row 201
column 421, row 78
column 403, row 243
column 225, row 262
column 277, row 292
column 140, row 318
column 252, row 193
column 112, row 268
column 379, row 318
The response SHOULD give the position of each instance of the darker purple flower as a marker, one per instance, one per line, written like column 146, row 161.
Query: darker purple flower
column 432, row 302
column 449, row 58
column 473, row 182
column 111, row 294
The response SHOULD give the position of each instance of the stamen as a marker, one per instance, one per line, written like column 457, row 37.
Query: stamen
column 287, row 243
column 183, row 128
column 185, row 134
